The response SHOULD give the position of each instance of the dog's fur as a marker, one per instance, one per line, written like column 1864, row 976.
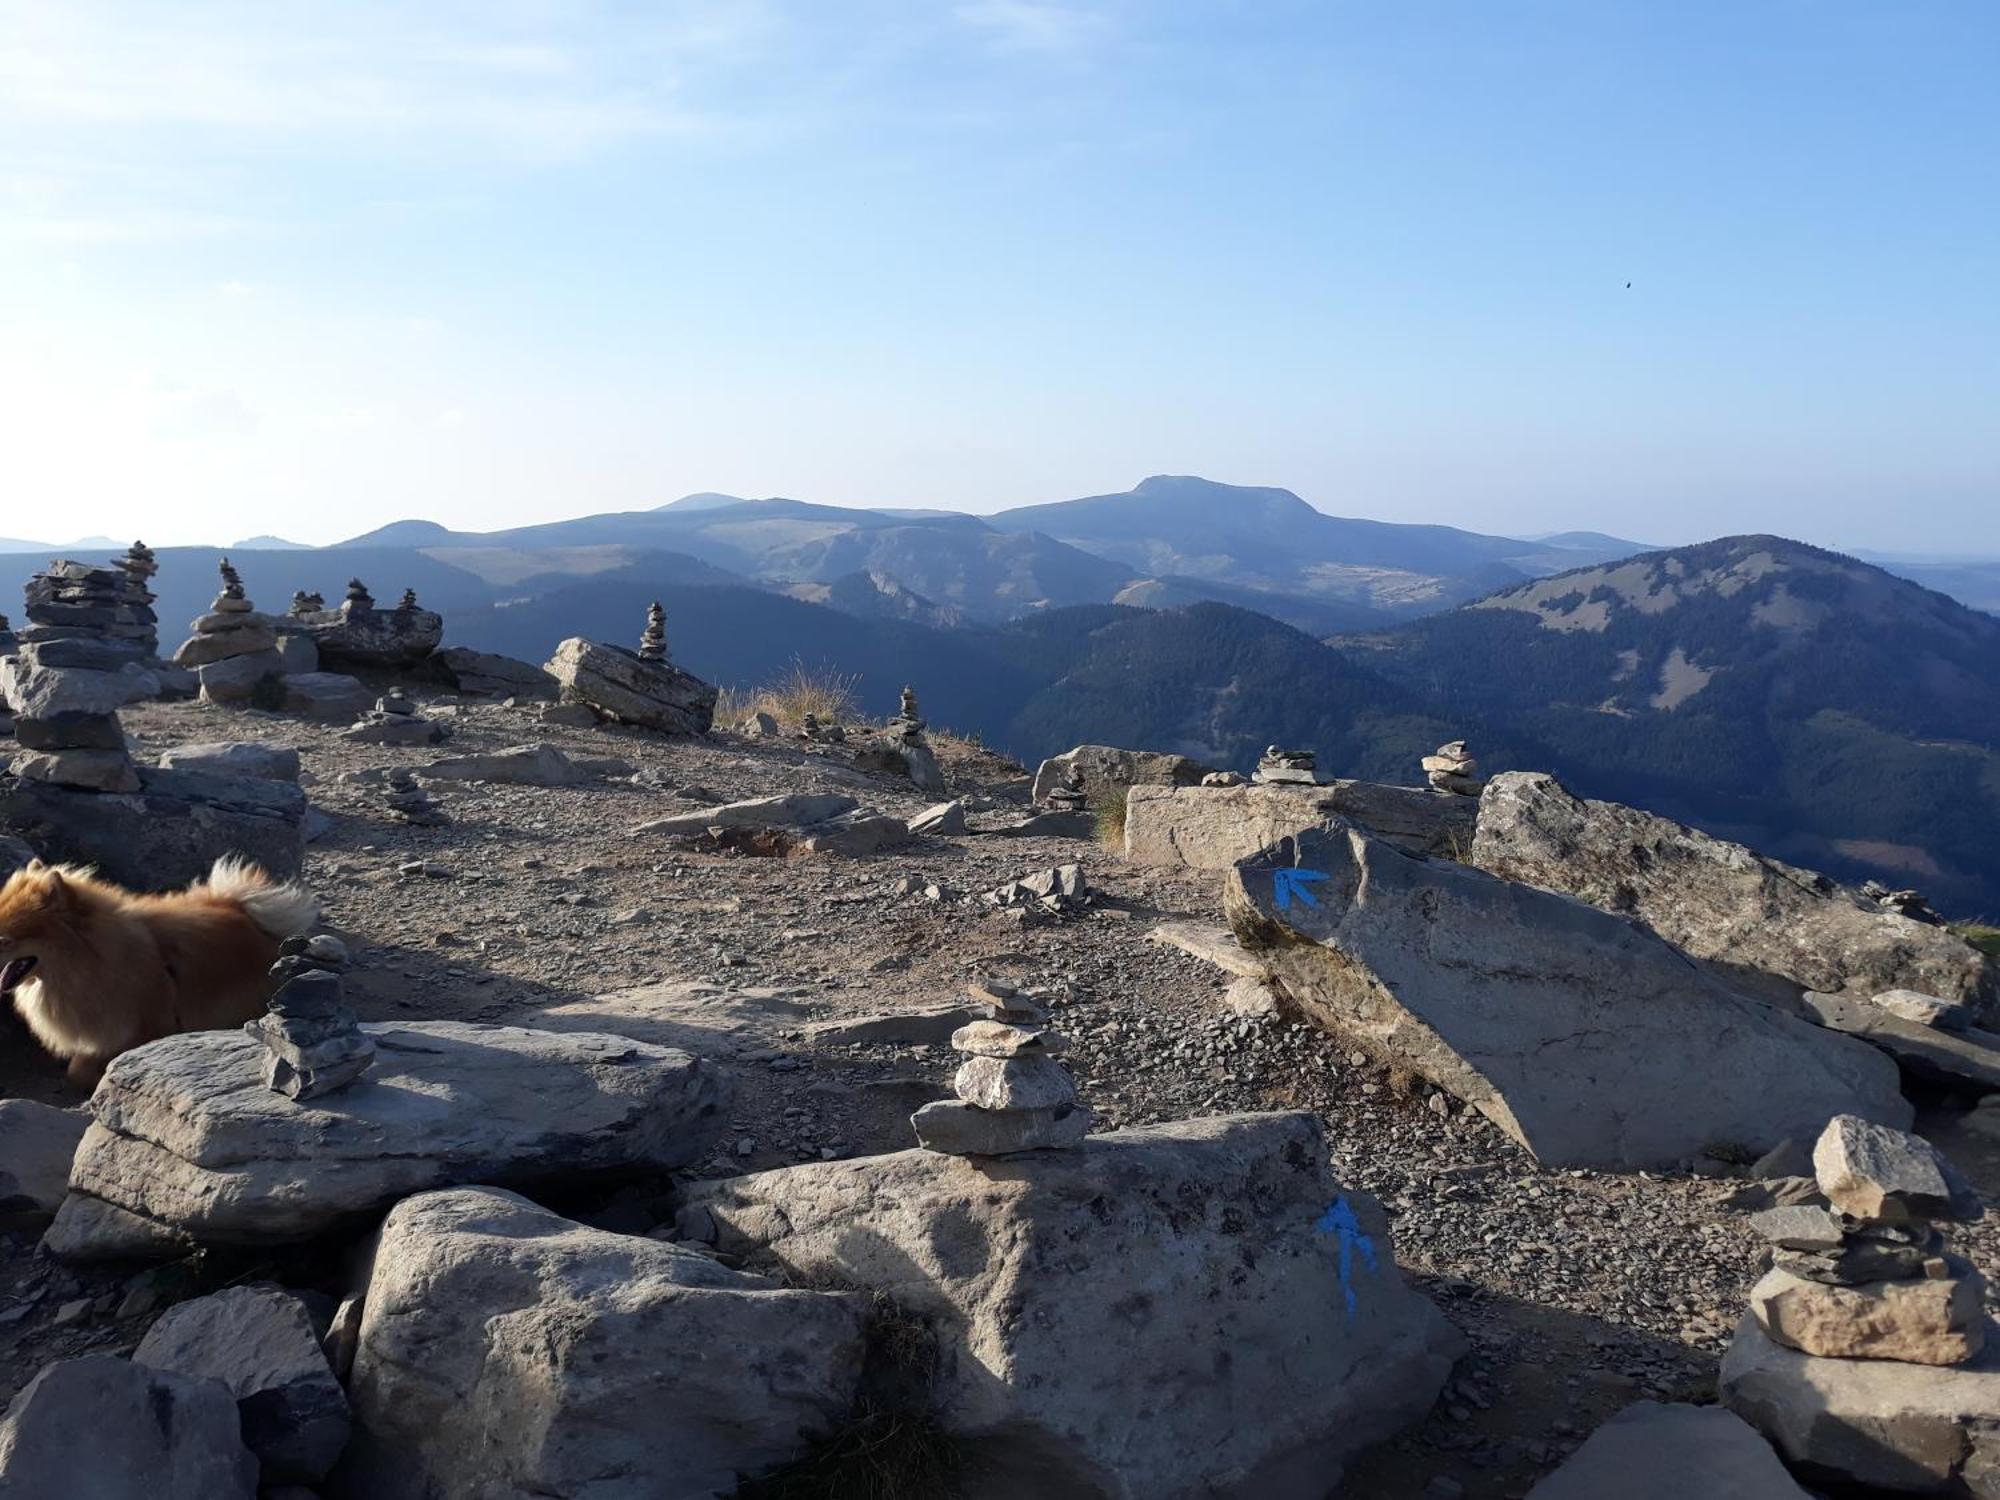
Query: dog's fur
column 96, row 970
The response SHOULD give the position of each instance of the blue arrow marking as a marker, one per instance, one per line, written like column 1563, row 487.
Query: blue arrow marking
column 1340, row 1220
column 1287, row 883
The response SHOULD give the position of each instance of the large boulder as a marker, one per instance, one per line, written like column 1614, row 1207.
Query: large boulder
column 1967, row 1058
column 482, row 674
column 241, row 679
column 617, row 684
column 507, row 1353
column 1582, row 1035
column 251, row 758
column 1671, row 1451
column 1188, row 1310
column 1902, row 1428
column 1771, row 929
column 166, row 834
column 1212, row 827
column 330, row 696
column 37, row 1144
column 258, row 1343
column 357, row 634
column 1101, row 772
column 104, row 1428
column 191, row 1144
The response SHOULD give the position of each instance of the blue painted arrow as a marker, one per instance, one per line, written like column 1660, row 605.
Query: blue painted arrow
column 1287, row 883
column 1340, row 1220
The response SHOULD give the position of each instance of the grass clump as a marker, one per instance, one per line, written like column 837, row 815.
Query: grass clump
column 1982, row 935
column 1110, row 811
column 823, row 691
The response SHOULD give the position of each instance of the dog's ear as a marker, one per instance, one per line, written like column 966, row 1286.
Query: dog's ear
column 34, row 866
column 55, row 889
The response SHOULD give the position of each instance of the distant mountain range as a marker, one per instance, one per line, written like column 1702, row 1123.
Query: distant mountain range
column 1813, row 704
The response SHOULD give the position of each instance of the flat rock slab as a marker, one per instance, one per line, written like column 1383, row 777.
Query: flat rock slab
column 483, row 674
column 1140, row 1318
column 523, row 765
column 507, row 1353
column 1671, row 1451
column 1969, row 1058
column 1102, row 771
column 693, row 1015
column 1582, row 1035
column 1773, row 928
column 37, row 1144
column 1909, row 1429
column 796, row 810
column 188, row 1138
column 1211, row 828
column 236, row 758
column 104, row 1428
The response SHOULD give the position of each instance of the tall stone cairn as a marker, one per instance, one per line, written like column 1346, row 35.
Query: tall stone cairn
column 66, row 677
column 1013, row 1093
column 313, row 1041
column 233, row 648
column 358, row 596
column 653, row 642
column 137, row 598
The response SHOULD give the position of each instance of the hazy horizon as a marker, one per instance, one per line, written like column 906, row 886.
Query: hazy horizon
column 1664, row 273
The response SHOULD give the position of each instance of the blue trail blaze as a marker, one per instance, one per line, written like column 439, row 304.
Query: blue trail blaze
column 1287, row 883
column 1340, row 1220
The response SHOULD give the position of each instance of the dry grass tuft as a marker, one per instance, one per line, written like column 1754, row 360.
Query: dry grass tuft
column 794, row 693
column 1111, row 820
column 1982, row 935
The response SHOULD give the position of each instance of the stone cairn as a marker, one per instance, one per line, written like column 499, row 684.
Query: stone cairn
column 818, row 730
column 1868, row 1277
column 1013, row 1093
column 1451, row 768
column 233, row 648
column 358, row 596
column 653, row 642
column 407, row 802
column 408, row 602
column 136, row 598
column 71, row 601
column 314, row 1041
column 395, row 721
column 1912, row 904
column 305, row 604
column 1287, row 768
column 1068, row 796
column 66, row 678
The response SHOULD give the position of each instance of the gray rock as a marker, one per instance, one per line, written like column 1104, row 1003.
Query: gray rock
column 356, row 634
column 396, row 729
column 329, row 696
column 1771, row 928
column 258, row 1343
column 960, row 1129
column 1861, row 1259
column 1964, row 1056
column 36, row 691
column 1926, row 1321
column 72, row 732
column 1799, row 1228
column 854, row 834
column 521, row 765
column 1911, row 1429
column 1789, row 1158
column 188, row 1138
column 1102, row 772
column 1870, row 1171
column 250, row 758
column 37, row 1144
column 1925, row 1010
column 506, row 1353
column 1217, row 1256
column 238, row 679
column 297, row 653
column 482, row 674
column 1655, row 1451
column 103, row 1428
column 946, row 820
column 999, row 1039
column 911, row 759
column 929, row 1026
column 651, row 695
column 569, row 715
column 90, row 770
column 796, row 811
column 758, row 726
column 1583, row 1036
column 167, row 833
column 1014, row 1083
column 231, row 635
column 1211, row 828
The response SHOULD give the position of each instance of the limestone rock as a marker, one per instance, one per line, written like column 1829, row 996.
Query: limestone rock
column 1211, row 828
column 1906, row 1428
column 357, row 634
column 1800, row 1227
column 1582, row 1035
column 507, row 1353
column 236, row 758
column 104, row 1428
column 72, row 732
column 482, row 674
column 226, row 636
column 258, row 1343
column 1214, row 1255
column 1925, row 1010
column 1657, row 1451
column 946, row 820
column 958, row 1128
column 795, row 811
column 651, row 695
column 1019, row 1082
column 1869, row 1171
column 1771, row 928
column 853, row 834
column 330, row 696
column 37, row 1144
column 37, row 683
column 1922, row 1321
column 90, row 770
column 188, row 1137
column 1103, row 771
column 539, row 764
column 1965, row 1057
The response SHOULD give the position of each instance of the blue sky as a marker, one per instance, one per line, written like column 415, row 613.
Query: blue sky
column 306, row 268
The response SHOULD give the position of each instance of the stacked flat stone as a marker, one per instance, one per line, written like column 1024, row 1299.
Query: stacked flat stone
column 1067, row 797
column 357, row 634
column 304, row 603
column 358, row 596
column 136, row 596
column 395, row 720
column 408, row 601
column 1287, row 768
column 1013, row 1093
column 233, row 650
column 908, row 725
column 409, row 803
column 1868, row 1277
column 653, row 641
column 314, row 1040
column 816, row 729
column 65, row 677
column 72, row 601
column 1451, row 768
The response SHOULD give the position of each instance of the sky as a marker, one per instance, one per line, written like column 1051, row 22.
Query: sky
column 1666, row 270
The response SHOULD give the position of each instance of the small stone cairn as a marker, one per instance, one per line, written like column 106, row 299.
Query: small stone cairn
column 1867, row 1276
column 819, row 731
column 356, row 634
column 653, row 640
column 1013, row 1093
column 314, row 1040
column 305, row 604
column 395, row 720
column 1451, row 768
column 358, row 597
column 409, row 803
column 233, row 648
column 1067, row 796
column 1912, row 904
column 1287, row 768
column 136, row 598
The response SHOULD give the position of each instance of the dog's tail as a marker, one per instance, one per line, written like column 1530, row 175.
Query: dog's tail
column 281, row 909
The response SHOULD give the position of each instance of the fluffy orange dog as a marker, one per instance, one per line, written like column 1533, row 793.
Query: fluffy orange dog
column 95, row 970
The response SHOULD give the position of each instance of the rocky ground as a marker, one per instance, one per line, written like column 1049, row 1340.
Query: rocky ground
column 1580, row 1291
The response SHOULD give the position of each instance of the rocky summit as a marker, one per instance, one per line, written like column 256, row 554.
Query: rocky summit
column 826, row 1103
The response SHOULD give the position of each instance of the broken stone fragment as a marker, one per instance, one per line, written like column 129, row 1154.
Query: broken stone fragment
column 1799, row 1228
column 1870, row 1171
column 1013, row 1083
column 956, row 1128
column 999, row 1039
column 1927, row 1321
